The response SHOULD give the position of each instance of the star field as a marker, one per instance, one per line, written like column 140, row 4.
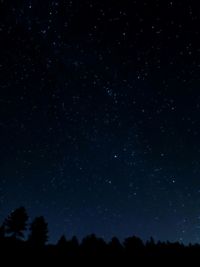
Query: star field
column 99, row 116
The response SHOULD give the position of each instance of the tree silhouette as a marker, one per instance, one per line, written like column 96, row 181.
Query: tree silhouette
column 39, row 232
column 16, row 223
column 133, row 245
column 115, row 247
column 74, row 242
column 150, row 243
column 73, row 246
column 93, row 245
column 62, row 242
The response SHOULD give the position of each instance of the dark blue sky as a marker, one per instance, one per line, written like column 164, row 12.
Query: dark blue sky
column 100, row 116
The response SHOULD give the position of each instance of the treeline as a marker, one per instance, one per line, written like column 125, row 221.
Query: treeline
column 15, row 247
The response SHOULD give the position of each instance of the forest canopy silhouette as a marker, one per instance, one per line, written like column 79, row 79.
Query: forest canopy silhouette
column 35, row 246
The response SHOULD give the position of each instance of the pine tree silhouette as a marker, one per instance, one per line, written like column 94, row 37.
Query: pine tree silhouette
column 62, row 242
column 39, row 232
column 16, row 223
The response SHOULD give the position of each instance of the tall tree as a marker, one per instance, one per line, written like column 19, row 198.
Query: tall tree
column 39, row 232
column 15, row 224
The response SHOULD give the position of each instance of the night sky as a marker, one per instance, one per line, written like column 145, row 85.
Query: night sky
column 100, row 116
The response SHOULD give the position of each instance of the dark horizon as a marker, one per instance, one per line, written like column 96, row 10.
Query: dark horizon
column 18, row 227
column 91, row 249
column 100, row 116
column 54, row 238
